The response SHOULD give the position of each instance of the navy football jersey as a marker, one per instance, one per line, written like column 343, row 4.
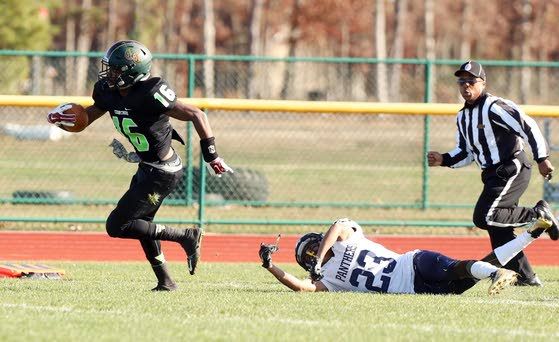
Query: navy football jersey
column 139, row 116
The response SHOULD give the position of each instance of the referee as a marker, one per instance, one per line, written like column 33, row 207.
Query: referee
column 492, row 132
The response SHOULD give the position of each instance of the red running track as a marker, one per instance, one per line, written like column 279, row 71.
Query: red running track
column 79, row 246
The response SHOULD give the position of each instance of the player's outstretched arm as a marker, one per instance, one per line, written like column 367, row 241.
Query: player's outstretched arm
column 294, row 283
column 265, row 253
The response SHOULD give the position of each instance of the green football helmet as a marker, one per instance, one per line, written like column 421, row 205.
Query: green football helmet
column 125, row 63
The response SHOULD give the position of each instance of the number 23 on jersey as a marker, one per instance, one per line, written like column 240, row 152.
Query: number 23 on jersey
column 368, row 276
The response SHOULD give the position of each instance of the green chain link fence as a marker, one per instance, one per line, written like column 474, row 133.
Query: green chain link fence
column 291, row 168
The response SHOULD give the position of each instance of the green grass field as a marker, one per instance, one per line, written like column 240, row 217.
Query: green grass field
column 112, row 302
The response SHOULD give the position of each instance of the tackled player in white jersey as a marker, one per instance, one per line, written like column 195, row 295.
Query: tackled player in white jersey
column 343, row 259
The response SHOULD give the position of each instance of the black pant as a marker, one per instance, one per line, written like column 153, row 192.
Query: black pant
column 148, row 188
column 497, row 209
column 133, row 216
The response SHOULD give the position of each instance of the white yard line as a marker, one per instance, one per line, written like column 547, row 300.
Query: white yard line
column 541, row 302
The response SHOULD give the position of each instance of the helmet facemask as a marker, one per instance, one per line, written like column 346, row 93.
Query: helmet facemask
column 111, row 75
column 306, row 250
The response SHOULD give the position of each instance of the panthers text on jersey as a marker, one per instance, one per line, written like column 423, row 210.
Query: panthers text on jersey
column 362, row 265
column 139, row 115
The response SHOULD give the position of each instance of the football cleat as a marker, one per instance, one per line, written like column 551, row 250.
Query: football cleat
column 543, row 210
column 535, row 281
column 500, row 279
column 191, row 245
column 165, row 287
column 538, row 227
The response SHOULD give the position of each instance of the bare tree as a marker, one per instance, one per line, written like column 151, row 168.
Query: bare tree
column 184, row 24
column 380, row 45
column 344, row 70
column 69, row 79
column 293, row 32
column 518, row 30
column 182, row 43
column 209, row 47
column 112, row 21
column 526, row 28
column 429, row 17
column 255, row 22
column 543, row 51
column 84, row 45
column 138, row 13
column 168, row 40
column 465, row 30
column 398, row 47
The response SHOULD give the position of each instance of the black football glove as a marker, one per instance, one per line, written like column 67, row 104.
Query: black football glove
column 266, row 251
column 316, row 270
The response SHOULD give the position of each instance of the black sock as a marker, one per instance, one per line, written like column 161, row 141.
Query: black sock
column 162, row 275
column 492, row 259
column 161, row 232
column 461, row 270
column 142, row 229
column 135, row 229
column 152, row 250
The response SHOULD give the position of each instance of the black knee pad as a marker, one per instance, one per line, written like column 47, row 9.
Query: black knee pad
column 114, row 226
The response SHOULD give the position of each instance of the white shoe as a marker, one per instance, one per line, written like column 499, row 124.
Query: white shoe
column 501, row 279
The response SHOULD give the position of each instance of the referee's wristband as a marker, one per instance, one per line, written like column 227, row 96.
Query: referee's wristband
column 209, row 151
column 446, row 160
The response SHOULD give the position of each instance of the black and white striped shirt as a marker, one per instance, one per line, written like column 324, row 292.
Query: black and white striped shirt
column 491, row 131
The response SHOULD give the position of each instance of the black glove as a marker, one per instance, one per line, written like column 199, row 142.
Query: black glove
column 266, row 251
column 316, row 270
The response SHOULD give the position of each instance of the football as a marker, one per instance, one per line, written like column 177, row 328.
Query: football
column 82, row 120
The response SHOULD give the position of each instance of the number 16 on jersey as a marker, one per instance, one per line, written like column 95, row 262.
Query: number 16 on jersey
column 165, row 95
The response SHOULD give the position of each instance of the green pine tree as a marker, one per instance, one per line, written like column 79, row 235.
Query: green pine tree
column 24, row 25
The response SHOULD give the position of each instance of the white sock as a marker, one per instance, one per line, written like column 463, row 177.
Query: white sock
column 510, row 249
column 482, row 269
